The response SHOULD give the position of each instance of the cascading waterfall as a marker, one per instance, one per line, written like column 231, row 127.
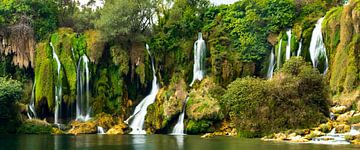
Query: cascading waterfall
column 138, row 117
column 199, row 59
column 31, row 113
column 278, row 62
column 335, row 138
column 288, row 45
column 271, row 65
column 198, row 74
column 100, row 130
column 179, row 127
column 57, row 87
column 300, row 47
column 83, row 90
column 317, row 48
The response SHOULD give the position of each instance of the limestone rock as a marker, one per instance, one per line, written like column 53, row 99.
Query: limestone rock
column 208, row 135
column 117, row 129
column 344, row 117
column 338, row 109
column 83, row 127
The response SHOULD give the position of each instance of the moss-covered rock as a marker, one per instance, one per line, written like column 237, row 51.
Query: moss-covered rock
column 103, row 120
column 35, row 126
column 169, row 103
column 341, row 30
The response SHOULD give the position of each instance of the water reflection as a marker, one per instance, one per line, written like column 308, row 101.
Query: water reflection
column 179, row 141
column 149, row 142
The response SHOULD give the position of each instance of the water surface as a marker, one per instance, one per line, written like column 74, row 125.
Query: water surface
column 150, row 142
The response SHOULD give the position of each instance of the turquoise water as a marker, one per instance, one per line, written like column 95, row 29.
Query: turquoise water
column 150, row 142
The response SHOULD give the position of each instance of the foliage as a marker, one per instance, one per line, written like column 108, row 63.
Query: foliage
column 10, row 92
column 43, row 14
column 196, row 127
column 132, row 17
column 295, row 98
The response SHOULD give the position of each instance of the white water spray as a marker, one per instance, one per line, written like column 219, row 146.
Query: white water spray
column 138, row 117
column 100, row 130
column 31, row 113
column 199, row 59
column 83, row 90
column 317, row 48
column 270, row 71
column 279, row 54
column 299, row 49
column 288, row 45
column 57, row 87
column 179, row 127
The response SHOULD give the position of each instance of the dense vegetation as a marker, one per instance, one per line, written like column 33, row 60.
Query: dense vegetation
column 295, row 98
column 239, row 39
column 10, row 93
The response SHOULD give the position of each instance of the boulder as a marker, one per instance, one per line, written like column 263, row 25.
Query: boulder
column 344, row 117
column 298, row 139
column 121, row 128
column 208, row 135
column 338, row 109
column 342, row 128
column 88, row 127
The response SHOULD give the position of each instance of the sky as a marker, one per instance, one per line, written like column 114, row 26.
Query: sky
column 216, row 2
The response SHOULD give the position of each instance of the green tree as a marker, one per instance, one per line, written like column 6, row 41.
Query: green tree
column 125, row 18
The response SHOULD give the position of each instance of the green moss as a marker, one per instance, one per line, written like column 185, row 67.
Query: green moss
column 34, row 126
column 140, row 71
column 204, row 106
column 197, row 127
column 354, row 120
column 43, row 75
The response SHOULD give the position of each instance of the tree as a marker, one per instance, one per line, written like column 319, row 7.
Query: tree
column 125, row 18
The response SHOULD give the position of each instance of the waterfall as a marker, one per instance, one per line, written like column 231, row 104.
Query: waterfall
column 83, row 89
column 199, row 59
column 179, row 127
column 279, row 55
column 57, row 87
column 100, row 130
column 137, row 124
column 270, row 71
column 300, row 47
column 31, row 113
column 317, row 47
column 288, row 45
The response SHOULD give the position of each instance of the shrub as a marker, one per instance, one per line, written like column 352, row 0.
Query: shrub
column 295, row 98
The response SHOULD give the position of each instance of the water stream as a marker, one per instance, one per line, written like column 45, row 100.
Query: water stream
column 179, row 127
column 83, row 90
column 199, row 59
column 317, row 48
column 58, row 87
column 138, row 117
column 31, row 113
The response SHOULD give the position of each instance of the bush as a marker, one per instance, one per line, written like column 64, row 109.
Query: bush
column 295, row 98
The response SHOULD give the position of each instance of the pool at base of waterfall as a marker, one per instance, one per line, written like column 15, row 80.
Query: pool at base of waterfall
column 151, row 142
